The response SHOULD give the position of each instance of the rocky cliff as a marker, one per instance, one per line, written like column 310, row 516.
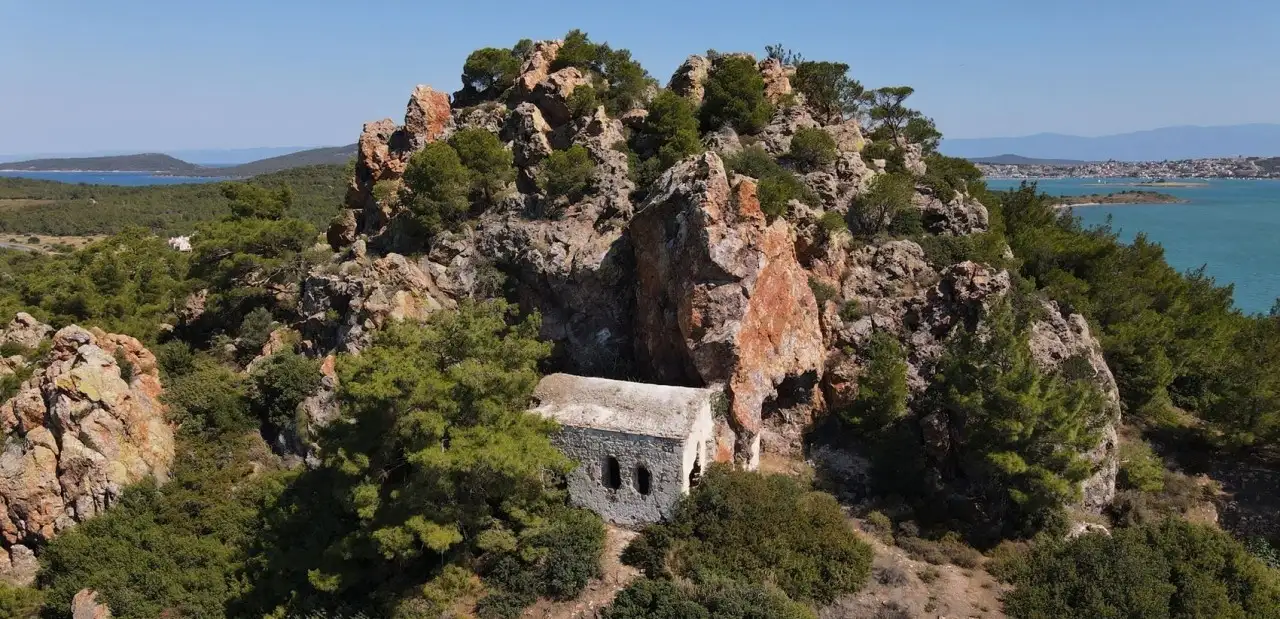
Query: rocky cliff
column 686, row 281
column 77, row 431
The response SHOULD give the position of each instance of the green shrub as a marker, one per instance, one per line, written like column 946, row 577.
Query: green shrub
column 942, row 251
column 620, row 80
column 879, row 525
column 210, row 399
column 437, row 185
column 1169, row 569
column 566, row 174
column 279, row 384
column 829, row 91
column 812, row 148
column 734, row 96
column 882, row 385
column 895, row 161
column 850, row 310
column 490, row 71
column 750, row 528
column 649, row 598
column 1025, row 431
column 487, row 161
column 753, row 161
column 172, row 550
column 950, row 549
column 833, row 222
column 776, row 193
column 1140, row 468
column 671, row 127
column 822, row 292
column 254, row 332
column 583, row 101
column 20, row 602
column 555, row 560
column 875, row 210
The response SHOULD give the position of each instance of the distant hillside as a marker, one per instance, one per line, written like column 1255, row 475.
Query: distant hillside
column 29, row 206
column 1169, row 143
column 336, row 155
column 148, row 162
column 1020, row 160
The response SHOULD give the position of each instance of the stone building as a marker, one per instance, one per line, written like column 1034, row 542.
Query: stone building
column 639, row 447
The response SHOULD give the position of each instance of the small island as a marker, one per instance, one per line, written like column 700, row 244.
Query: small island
column 1120, row 197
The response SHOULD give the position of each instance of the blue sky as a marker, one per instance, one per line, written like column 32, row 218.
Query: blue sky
column 86, row 75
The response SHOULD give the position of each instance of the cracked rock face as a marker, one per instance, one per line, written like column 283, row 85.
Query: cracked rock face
column 721, row 297
column 76, row 433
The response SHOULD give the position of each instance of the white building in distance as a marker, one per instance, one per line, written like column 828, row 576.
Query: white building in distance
column 640, row 447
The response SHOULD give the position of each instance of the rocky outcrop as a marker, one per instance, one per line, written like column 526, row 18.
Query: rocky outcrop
column 343, row 304
column 958, row 216
column 427, row 117
column 25, row 332
column 721, row 297
column 76, row 433
column 551, row 95
column 537, row 66
column 777, row 80
column 688, row 79
column 787, row 120
column 85, row 605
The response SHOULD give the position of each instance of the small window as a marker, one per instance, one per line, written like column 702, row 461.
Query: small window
column 612, row 473
column 644, row 480
column 695, row 474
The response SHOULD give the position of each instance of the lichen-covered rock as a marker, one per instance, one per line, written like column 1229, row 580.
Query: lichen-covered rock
column 25, row 331
column 85, row 605
column 529, row 135
column 689, row 76
column 721, row 297
column 913, row 159
column 724, row 140
column 847, row 135
column 342, row 306
column 777, row 80
column 776, row 136
column 958, row 216
column 488, row 116
column 76, row 433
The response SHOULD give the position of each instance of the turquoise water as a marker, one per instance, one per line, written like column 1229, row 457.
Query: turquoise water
column 129, row 179
column 1232, row 227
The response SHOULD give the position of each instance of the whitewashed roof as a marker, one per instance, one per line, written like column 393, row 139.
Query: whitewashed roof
column 620, row 406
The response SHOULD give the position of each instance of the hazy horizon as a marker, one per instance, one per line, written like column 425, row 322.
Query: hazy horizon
column 241, row 74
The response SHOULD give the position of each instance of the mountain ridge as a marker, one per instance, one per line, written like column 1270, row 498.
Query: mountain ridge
column 1160, row 144
column 161, row 163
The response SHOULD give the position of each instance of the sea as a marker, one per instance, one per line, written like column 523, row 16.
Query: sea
column 128, row 179
column 1229, row 226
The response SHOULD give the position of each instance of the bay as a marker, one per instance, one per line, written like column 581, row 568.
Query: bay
column 1230, row 226
column 127, row 179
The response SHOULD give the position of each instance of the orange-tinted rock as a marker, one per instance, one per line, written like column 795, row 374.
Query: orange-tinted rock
column 427, row 116
column 721, row 297
column 777, row 81
column 87, row 432
column 537, row 66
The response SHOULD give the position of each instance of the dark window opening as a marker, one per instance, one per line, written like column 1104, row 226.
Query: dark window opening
column 695, row 475
column 612, row 473
column 644, row 480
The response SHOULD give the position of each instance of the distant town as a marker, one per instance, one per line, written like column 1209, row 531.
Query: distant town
column 1222, row 167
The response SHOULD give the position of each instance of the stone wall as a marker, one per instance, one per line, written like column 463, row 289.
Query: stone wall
column 663, row 457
